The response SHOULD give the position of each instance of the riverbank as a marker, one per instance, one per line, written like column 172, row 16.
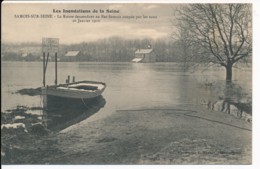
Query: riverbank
column 179, row 135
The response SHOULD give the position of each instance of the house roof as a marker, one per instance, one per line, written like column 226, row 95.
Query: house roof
column 72, row 53
column 143, row 51
column 136, row 60
column 24, row 55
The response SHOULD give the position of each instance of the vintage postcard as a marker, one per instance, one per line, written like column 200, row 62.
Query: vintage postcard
column 138, row 83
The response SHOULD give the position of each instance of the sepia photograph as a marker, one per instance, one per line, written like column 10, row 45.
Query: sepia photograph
column 121, row 83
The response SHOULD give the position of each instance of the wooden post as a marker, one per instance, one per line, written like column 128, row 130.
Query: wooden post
column 45, row 98
column 45, row 101
column 68, row 78
column 43, row 81
column 73, row 80
column 56, row 73
column 47, row 60
column 45, row 64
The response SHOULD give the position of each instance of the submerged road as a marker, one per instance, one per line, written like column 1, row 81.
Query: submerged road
column 180, row 135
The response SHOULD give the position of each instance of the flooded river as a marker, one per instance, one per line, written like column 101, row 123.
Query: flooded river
column 129, row 85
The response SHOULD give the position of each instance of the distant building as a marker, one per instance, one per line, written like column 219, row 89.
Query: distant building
column 144, row 56
column 24, row 55
column 71, row 56
column 29, row 57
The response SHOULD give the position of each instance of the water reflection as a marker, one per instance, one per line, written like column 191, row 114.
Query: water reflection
column 229, row 98
column 131, row 86
column 62, row 113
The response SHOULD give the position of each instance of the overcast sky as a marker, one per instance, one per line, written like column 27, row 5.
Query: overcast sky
column 32, row 30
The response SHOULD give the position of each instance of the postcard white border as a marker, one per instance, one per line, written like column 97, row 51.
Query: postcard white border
column 256, row 93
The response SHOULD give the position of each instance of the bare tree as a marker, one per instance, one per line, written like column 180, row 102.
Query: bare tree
column 223, row 30
column 184, row 46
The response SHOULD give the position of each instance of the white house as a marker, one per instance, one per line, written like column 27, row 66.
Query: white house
column 144, row 56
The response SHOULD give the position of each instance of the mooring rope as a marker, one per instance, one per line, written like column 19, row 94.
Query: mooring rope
column 189, row 112
column 84, row 102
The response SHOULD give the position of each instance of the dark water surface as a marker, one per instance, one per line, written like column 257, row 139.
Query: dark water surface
column 129, row 85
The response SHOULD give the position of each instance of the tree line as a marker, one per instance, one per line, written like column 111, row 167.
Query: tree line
column 113, row 49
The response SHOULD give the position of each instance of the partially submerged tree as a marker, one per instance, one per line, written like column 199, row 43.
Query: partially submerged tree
column 223, row 31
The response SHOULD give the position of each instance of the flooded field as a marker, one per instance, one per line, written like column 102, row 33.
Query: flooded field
column 129, row 87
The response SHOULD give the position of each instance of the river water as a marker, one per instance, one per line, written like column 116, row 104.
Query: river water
column 129, row 85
